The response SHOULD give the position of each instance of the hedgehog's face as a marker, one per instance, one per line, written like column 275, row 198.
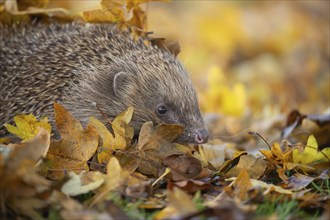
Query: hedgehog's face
column 186, row 115
column 161, row 96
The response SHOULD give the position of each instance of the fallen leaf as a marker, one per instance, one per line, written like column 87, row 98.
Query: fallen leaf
column 299, row 181
column 114, row 179
column 20, row 183
column 310, row 155
column 156, row 143
column 215, row 155
column 183, row 167
column 227, row 165
column 106, row 16
column 31, row 151
column 180, row 204
column 269, row 187
column 255, row 166
column 27, row 126
column 122, row 138
column 75, row 147
column 191, row 186
column 82, row 183
column 242, row 185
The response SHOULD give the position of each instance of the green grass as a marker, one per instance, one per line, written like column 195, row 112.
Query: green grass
column 283, row 209
column 322, row 187
column 198, row 201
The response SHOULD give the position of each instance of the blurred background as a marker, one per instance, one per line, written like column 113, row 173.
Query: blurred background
column 252, row 62
column 264, row 55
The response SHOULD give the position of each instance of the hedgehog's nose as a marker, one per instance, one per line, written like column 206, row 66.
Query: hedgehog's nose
column 201, row 136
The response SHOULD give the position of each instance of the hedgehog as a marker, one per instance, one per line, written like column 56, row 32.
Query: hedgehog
column 77, row 65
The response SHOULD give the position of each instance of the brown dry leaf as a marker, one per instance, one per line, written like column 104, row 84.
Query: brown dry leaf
column 299, row 181
column 115, row 179
column 32, row 150
column 122, row 138
column 151, row 137
column 129, row 159
column 138, row 186
column 191, row 186
column 27, row 206
column 156, row 143
column 112, row 12
column 76, row 146
column 313, row 200
column 71, row 209
column 282, row 157
column 126, row 14
column 214, row 155
column 133, row 14
column 182, row 167
column 171, row 47
column 282, row 175
column 226, row 208
column 138, row 21
column 242, row 185
column 255, row 166
column 294, row 120
column 180, row 204
column 20, row 184
column 232, row 162
column 300, row 126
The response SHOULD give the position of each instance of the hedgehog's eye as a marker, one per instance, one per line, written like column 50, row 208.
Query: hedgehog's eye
column 161, row 109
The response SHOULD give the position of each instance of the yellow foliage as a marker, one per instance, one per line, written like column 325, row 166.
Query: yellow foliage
column 224, row 30
column 311, row 154
column 180, row 204
column 221, row 98
column 123, row 134
column 27, row 126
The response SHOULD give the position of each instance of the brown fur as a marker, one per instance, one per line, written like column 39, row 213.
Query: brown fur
column 78, row 65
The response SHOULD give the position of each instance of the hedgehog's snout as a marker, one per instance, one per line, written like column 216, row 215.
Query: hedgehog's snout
column 201, row 136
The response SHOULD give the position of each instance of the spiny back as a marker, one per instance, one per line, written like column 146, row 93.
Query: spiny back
column 80, row 64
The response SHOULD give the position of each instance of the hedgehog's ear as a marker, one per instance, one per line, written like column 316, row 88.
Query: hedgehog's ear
column 122, row 83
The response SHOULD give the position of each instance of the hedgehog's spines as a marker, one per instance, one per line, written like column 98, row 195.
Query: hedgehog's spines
column 76, row 64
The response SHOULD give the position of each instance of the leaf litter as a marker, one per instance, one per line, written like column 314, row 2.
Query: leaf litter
column 99, row 173
column 155, row 155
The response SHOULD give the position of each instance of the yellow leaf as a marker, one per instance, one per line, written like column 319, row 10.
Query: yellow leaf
column 115, row 174
column 105, row 151
column 123, row 134
column 242, row 184
column 27, row 126
column 180, row 204
column 311, row 155
column 114, row 179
